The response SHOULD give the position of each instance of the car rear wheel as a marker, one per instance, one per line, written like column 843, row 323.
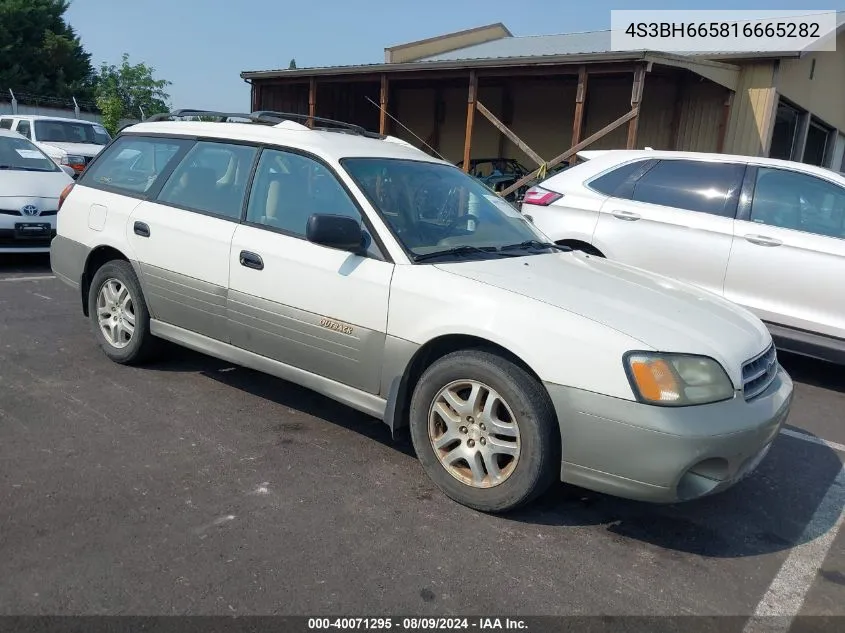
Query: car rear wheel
column 484, row 431
column 119, row 314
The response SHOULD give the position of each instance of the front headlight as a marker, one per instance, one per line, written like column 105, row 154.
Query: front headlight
column 677, row 379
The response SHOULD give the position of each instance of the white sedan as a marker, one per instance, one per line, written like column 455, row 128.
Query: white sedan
column 30, row 186
column 766, row 234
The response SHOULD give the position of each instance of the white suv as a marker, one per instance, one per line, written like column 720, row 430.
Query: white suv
column 766, row 234
column 368, row 271
column 70, row 142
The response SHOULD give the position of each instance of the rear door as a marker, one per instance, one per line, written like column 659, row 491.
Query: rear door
column 182, row 238
column 788, row 258
column 676, row 219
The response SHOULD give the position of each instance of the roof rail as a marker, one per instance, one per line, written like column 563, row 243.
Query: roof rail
column 268, row 117
column 293, row 116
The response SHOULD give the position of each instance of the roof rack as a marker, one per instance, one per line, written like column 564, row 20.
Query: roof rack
column 269, row 117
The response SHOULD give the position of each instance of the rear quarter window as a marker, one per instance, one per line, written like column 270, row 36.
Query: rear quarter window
column 616, row 182
column 134, row 164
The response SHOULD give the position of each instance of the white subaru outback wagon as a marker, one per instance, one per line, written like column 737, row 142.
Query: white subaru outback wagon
column 364, row 269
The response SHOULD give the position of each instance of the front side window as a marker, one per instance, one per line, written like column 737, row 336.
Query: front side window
column 132, row 164
column 212, row 178
column 435, row 209
column 801, row 202
column 19, row 154
column 50, row 131
column 706, row 187
column 290, row 187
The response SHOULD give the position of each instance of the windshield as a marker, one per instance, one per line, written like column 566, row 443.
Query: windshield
column 17, row 153
column 433, row 208
column 70, row 132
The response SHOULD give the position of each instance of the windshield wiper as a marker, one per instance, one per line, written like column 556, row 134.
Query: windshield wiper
column 23, row 168
column 461, row 250
column 534, row 244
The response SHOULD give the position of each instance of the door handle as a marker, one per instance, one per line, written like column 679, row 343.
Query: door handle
column 762, row 240
column 252, row 260
column 626, row 215
column 142, row 229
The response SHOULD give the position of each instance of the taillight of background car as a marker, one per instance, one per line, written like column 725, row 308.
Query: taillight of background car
column 63, row 196
column 540, row 197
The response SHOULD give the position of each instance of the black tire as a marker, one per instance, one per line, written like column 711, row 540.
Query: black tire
column 538, row 465
column 142, row 346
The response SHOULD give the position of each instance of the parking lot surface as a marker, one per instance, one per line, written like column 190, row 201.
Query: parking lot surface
column 194, row 487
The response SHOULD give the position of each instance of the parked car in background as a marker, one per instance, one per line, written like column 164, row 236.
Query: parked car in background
column 311, row 255
column 30, row 186
column 766, row 234
column 71, row 142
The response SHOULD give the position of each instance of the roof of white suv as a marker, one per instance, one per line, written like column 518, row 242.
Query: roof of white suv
column 332, row 145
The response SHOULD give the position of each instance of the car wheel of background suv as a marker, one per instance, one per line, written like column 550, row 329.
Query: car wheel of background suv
column 485, row 431
column 119, row 314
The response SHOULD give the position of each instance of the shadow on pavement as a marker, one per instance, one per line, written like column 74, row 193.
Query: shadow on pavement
column 766, row 513
column 25, row 263
column 814, row 372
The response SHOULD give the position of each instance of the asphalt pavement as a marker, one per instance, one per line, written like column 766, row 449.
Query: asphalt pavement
column 195, row 487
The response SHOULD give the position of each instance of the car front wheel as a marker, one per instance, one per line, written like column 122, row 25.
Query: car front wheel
column 485, row 431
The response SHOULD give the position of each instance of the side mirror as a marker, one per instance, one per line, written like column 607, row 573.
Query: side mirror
column 70, row 171
column 336, row 231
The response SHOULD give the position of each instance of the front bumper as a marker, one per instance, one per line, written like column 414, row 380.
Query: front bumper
column 665, row 454
column 26, row 234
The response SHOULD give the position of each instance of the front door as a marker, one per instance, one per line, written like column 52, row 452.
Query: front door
column 676, row 220
column 315, row 308
column 788, row 259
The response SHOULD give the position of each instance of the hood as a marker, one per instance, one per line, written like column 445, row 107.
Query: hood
column 662, row 313
column 80, row 149
column 31, row 184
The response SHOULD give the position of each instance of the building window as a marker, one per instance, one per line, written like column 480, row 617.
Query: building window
column 816, row 147
column 787, row 123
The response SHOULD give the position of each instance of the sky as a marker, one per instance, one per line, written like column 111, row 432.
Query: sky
column 202, row 46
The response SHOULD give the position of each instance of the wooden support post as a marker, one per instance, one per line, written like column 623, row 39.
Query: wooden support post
column 513, row 137
column 382, row 119
column 607, row 129
column 312, row 101
column 580, row 99
column 473, row 93
column 636, row 98
column 677, row 110
column 723, row 125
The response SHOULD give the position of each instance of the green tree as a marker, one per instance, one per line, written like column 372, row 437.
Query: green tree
column 39, row 51
column 292, row 65
column 129, row 91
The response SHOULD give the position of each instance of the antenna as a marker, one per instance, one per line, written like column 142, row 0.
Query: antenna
column 439, row 155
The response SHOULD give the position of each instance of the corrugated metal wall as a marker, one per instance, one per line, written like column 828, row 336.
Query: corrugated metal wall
column 702, row 113
column 752, row 111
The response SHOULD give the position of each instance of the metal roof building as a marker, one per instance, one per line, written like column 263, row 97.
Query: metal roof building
column 539, row 96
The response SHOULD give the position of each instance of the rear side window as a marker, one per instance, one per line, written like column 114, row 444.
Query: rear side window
column 211, row 179
column 692, row 185
column 133, row 164
column 6, row 124
column 611, row 183
column 23, row 128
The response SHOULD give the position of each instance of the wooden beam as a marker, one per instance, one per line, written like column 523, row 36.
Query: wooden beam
column 677, row 110
column 723, row 124
column 636, row 98
column 312, row 101
column 580, row 99
column 471, row 98
column 513, row 137
column 383, row 95
column 574, row 149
